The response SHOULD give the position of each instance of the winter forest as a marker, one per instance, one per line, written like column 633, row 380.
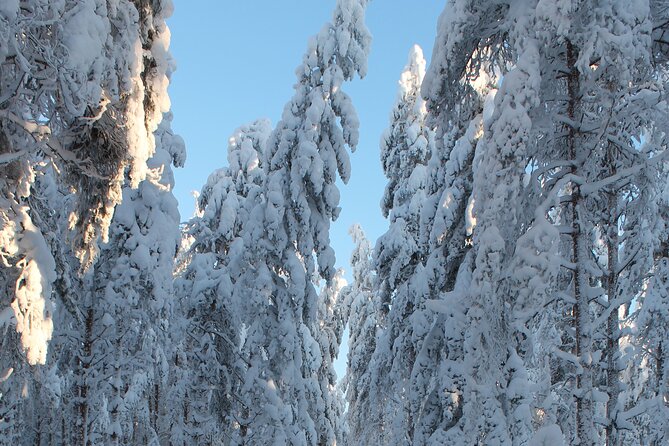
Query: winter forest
column 519, row 296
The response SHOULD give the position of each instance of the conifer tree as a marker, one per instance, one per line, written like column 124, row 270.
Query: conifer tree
column 215, row 315
column 361, row 312
column 457, row 87
column 117, row 374
column 305, row 154
column 83, row 87
column 405, row 148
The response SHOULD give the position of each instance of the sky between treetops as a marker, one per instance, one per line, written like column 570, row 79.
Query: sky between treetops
column 236, row 63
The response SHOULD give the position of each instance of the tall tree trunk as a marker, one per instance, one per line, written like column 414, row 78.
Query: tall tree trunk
column 84, row 368
column 116, row 395
column 155, row 416
column 581, row 314
column 613, row 322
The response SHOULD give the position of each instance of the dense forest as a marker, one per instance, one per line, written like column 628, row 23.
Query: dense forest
column 519, row 297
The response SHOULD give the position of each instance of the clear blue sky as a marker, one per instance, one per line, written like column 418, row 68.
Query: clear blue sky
column 236, row 63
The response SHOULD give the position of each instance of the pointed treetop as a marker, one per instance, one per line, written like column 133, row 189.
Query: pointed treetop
column 412, row 76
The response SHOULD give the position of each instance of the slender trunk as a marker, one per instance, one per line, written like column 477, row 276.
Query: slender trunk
column 186, row 411
column 38, row 435
column 84, row 366
column 584, row 407
column 581, row 315
column 572, row 89
column 156, row 406
column 659, row 373
column 612, row 372
column 116, row 395
column 613, row 323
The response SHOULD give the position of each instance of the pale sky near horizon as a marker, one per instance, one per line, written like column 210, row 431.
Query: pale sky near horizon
column 236, row 62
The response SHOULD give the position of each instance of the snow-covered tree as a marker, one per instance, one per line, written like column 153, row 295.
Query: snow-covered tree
column 30, row 394
column 329, row 327
column 646, row 393
column 83, row 86
column 405, row 148
column 117, row 370
column 215, row 315
column 360, row 305
column 496, row 409
column 457, row 86
column 137, row 301
column 649, row 377
column 305, row 154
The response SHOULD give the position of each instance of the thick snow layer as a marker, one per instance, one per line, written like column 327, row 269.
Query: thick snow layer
column 32, row 304
column 86, row 36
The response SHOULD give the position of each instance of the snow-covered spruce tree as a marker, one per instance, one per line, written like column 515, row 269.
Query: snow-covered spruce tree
column 210, row 340
column 456, row 86
column 644, row 393
column 360, row 305
column 602, row 166
column 137, row 299
column 584, row 160
column 331, row 322
column 131, row 105
column 27, row 263
column 496, row 409
column 117, row 370
column 305, row 153
column 110, row 63
column 405, row 147
column 83, row 387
